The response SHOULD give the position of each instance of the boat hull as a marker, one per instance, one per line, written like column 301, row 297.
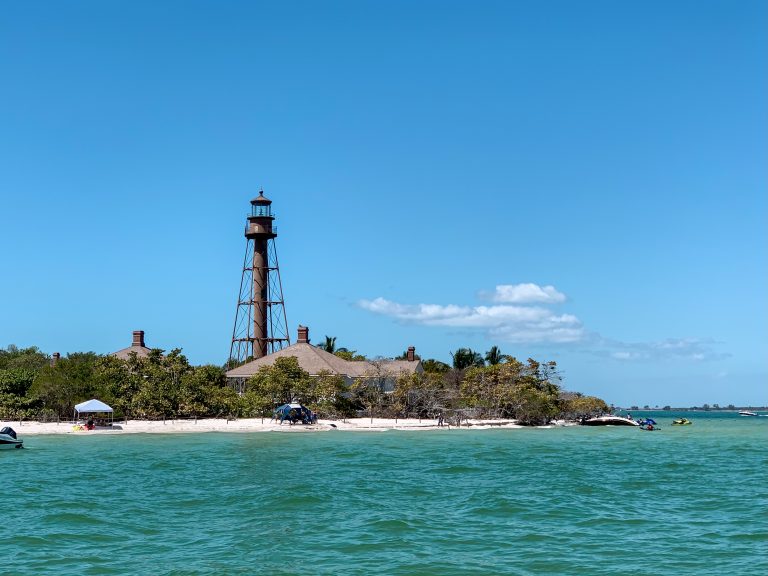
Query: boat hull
column 9, row 440
column 609, row 421
column 11, row 444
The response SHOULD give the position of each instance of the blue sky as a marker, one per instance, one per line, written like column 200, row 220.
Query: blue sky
column 577, row 181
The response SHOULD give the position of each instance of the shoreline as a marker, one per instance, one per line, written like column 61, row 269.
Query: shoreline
column 205, row 425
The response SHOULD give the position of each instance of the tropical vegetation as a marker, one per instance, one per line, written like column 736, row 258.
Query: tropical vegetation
column 165, row 385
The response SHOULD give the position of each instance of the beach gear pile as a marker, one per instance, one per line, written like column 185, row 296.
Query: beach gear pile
column 295, row 413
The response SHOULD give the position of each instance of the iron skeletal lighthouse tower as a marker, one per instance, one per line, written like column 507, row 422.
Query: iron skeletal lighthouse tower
column 260, row 322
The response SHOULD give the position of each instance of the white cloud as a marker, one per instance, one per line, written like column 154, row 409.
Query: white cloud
column 503, row 322
column 513, row 318
column 526, row 293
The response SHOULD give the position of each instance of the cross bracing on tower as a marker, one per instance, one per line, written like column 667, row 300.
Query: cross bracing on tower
column 260, row 326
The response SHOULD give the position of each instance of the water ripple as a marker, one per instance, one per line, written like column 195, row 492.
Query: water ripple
column 555, row 501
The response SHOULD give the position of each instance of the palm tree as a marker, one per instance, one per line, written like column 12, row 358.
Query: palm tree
column 466, row 357
column 329, row 345
column 432, row 365
column 494, row 356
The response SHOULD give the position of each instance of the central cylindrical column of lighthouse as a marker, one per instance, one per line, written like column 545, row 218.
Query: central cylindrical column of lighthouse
column 260, row 230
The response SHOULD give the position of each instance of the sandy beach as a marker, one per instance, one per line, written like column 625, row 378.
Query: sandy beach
column 250, row 425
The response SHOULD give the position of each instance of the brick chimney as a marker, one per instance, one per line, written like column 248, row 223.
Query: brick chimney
column 303, row 335
column 55, row 357
column 138, row 338
column 411, row 356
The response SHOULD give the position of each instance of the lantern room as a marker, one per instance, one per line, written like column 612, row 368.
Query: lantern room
column 261, row 206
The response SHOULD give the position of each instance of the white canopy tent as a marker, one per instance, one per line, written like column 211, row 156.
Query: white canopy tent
column 91, row 406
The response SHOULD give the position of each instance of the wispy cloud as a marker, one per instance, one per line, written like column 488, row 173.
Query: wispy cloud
column 694, row 349
column 524, row 314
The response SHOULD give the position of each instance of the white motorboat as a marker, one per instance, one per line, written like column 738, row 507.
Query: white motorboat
column 747, row 413
column 8, row 439
column 608, row 421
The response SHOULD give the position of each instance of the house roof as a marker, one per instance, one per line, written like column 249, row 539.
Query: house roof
column 124, row 354
column 136, row 346
column 316, row 360
column 261, row 199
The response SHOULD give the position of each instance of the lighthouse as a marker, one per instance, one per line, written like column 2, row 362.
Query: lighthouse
column 260, row 320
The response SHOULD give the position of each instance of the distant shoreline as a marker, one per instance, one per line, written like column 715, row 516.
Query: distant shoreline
column 695, row 409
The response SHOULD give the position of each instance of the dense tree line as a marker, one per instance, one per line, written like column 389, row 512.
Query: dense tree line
column 529, row 392
column 166, row 385
column 159, row 386
column 493, row 385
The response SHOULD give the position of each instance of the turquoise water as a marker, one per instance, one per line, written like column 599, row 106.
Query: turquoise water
column 684, row 500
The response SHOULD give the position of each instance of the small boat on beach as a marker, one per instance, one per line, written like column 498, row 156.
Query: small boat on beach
column 8, row 439
column 747, row 413
column 608, row 421
column 681, row 422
